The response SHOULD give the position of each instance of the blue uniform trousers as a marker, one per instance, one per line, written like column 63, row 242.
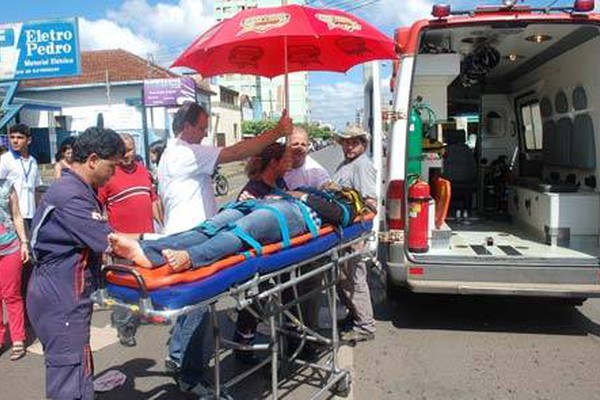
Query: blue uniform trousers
column 60, row 311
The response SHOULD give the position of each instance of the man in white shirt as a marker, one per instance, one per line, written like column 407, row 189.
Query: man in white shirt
column 305, row 170
column 21, row 168
column 185, row 186
column 186, row 166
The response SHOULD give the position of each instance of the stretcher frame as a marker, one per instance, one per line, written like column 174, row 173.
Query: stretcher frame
column 267, row 305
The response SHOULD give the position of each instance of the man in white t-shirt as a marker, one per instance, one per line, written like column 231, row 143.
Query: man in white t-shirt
column 186, row 167
column 305, row 170
column 185, row 186
column 21, row 168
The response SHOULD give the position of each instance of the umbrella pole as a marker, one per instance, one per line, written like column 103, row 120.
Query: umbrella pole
column 286, row 81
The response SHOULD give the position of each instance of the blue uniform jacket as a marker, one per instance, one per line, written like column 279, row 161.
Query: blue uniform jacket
column 70, row 227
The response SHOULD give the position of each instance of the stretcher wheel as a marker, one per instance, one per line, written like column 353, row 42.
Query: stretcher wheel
column 342, row 388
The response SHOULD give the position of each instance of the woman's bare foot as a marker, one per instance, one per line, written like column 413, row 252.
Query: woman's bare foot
column 178, row 260
column 129, row 249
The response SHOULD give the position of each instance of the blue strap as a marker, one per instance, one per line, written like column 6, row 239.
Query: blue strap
column 243, row 206
column 344, row 207
column 304, row 209
column 310, row 223
column 285, row 232
column 244, row 236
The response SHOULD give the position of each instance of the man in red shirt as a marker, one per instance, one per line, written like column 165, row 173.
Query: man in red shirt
column 129, row 196
column 132, row 206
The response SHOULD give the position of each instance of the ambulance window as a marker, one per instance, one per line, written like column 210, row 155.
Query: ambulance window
column 532, row 125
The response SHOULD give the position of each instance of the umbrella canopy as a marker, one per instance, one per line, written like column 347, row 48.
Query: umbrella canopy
column 273, row 41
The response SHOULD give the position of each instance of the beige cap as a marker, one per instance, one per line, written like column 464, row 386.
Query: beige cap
column 351, row 131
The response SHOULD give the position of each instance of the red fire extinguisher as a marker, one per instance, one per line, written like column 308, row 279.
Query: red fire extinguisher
column 418, row 217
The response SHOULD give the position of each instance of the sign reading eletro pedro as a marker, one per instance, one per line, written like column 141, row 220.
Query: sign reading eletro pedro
column 39, row 49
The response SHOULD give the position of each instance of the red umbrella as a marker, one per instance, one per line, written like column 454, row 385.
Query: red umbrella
column 274, row 41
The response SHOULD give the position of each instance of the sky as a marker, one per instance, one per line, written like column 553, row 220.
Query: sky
column 162, row 29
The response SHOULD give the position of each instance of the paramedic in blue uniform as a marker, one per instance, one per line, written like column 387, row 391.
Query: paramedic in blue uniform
column 69, row 234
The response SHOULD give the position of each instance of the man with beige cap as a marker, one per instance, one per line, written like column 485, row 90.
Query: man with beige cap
column 356, row 171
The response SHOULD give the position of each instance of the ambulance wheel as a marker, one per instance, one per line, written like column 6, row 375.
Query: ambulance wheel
column 342, row 388
column 221, row 185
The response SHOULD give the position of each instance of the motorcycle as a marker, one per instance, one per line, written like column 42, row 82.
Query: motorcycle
column 220, row 182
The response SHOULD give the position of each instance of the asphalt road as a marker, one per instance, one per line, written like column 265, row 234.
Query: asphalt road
column 463, row 347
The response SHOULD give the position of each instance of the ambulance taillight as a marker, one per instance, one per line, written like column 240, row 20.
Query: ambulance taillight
column 395, row 205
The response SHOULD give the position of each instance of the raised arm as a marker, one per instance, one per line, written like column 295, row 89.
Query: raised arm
column 248, row 148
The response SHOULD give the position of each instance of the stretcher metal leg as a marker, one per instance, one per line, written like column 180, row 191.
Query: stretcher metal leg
column 217, row 349
column 274, row 358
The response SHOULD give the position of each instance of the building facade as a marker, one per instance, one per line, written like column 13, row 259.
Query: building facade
column 109, row 88
column 267, row 95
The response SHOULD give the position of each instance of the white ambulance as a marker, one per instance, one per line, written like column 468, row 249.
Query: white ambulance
column 496, row 114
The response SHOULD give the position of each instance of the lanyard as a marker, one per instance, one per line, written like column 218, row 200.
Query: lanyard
column 28, row 171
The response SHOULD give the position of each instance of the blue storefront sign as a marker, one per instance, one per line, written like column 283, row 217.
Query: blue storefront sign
column 39, row 49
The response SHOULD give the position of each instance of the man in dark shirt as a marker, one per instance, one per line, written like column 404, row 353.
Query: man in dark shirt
column 69, row 234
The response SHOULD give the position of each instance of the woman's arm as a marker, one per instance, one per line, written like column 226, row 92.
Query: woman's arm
column 57, row 170
column 19, row 224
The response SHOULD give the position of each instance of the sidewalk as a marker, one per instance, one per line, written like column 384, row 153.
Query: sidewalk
column 143, row 366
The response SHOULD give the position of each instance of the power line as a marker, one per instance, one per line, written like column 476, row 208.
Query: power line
column 365, row 4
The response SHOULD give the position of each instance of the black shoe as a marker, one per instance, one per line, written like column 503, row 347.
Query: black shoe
column 126, row 336
column 127, row 341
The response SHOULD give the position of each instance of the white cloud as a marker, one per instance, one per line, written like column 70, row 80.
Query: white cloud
column 161, row 29
column 336, row 103
column 170, row 24
column 105, row 34
column 401, row 13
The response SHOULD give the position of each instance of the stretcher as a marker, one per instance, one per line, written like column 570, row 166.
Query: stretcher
column 257, row 284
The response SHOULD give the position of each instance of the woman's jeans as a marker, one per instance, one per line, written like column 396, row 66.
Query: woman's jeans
column 205, row 248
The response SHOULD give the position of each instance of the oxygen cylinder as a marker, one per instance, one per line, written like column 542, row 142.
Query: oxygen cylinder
column 415, row 142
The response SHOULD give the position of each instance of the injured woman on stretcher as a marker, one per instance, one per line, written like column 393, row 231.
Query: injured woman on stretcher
column 243, row 226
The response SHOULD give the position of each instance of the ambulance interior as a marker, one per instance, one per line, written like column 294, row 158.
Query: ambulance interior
column 510, row 117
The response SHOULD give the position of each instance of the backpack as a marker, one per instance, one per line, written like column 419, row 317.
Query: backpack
column 348, row 198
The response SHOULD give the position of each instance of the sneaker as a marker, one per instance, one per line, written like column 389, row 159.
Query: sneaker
column 355, row 336
column 171, row 366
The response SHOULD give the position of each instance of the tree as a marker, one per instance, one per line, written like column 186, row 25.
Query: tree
column 257, row 127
